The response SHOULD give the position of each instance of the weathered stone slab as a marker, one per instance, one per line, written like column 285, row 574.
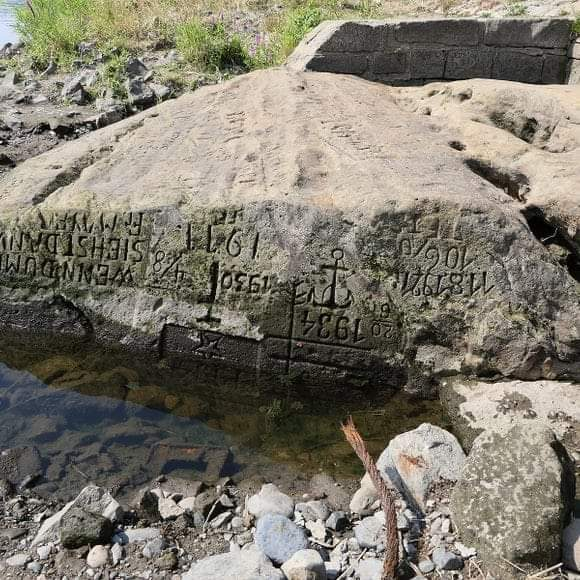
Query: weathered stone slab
column 554, row 71
column 449, row 32
column 317, row 231
column 339, row 62
column 548, row 33
column 465, row 63
column 427, row 64
column 517, row 66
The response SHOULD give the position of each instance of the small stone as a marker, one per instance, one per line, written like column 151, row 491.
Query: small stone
column 153, row 548
column 333, row 569
column 18, row 560
column 337, row 521
column 445, row 560
column 426, row 566
column 313, row 510
column 34, row 567
column 139, row 93
column 187, row 503
column 146, row 504
column 237, row 523
column 370, row 569
column 305, row 565
column 98, row 557
column 167, row 561
column 116, row 553
column 402, row 522
column 135, row 67
column 317, row 529
column 369, row 532
column 44, row 552
column 12, row 533
column 270, row 500
column 221, row 520
column 279, row 538
column 136, row 535
column 168, row 509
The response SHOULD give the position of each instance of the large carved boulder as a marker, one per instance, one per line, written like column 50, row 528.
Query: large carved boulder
column 300, row 223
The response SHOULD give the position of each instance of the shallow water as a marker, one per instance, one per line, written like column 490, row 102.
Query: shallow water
column 119, row 421
column 7, row 32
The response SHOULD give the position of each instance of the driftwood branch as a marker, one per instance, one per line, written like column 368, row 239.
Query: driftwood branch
column 386, row 497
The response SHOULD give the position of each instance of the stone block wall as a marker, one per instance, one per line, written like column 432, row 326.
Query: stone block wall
column 417, row 51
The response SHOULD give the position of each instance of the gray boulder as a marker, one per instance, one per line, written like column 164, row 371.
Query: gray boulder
column 415, row 460
column 80, row 527
column 353, row 244
column 247, row 564
column 515, row 498
column 139, row 93
column 369, row 532
column 279, row 538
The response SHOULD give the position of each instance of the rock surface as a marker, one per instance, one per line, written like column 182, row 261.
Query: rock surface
column 80, row 527
column 270, row 500
column 515, row 497
column 279, row 538
column 415, row 460
column 305, row 565
column 571, row 546
column 296, row 234
column 246, row 564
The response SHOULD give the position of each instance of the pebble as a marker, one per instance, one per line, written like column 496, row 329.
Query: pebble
column 369, row 532
column 98, row 556
column 426, row 566
column 221, row 520
column 136, row 535
column 168, row 509
column 317, row 529
column 279, row 538
column 44, row 552
column 153, row 548
column 337, row 521
column 270, row 500
column 18, row 560
column 34, row 567
column 445, row 560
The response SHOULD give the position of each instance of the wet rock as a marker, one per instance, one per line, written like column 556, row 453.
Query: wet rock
column 18, row 560
column 19, row 462
column 323, row 485
column 279, row 538
column 415, row 460
column 80, row 527
column 146, row 504
column 270, row 500
column 515, row 497
column 305, row 565
column 247, row 564
column 98, row 557
column 571, row 546
column 369, row 532
column 445, row 560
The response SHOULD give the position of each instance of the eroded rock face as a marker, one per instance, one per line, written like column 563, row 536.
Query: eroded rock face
column 299, row 223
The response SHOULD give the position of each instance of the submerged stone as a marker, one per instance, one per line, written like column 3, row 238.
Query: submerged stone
column 301, row 223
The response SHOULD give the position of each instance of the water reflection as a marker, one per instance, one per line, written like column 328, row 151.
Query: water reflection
column 120, row 421
column 7, row 32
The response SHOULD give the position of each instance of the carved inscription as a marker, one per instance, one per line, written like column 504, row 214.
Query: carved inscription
column 73, row 247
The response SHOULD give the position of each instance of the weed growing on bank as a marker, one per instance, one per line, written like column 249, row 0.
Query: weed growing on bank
column 207, row 33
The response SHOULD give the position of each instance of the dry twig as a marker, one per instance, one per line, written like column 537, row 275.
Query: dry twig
column 385, row 495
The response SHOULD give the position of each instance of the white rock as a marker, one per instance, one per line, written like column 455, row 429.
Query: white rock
column 370, row 569
column 187, row 503
column 571, row 546
column 221, row 520
column 98, row 556
column 116, row 553
column 18, row 560
column 136, row 535
column 317, row 529
column 305, row 565
column 44, row 552
column 247, row 564
column 369, row 532
column 416, row 459
column 168, row 509
column 333, row 569
column 362, row 500
column 270, row 500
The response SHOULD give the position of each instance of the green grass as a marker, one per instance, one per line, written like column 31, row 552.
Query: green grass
column 210, row 47
column 576, row 26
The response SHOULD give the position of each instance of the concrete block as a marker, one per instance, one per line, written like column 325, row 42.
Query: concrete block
column 449, row 32
column 427, row 64
column 466, row 63
column 352, row 64
column 368, row 36
column 546, row 33
column 513, row 65
column 390, row 63
column 554, row 71
column 574, row 75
